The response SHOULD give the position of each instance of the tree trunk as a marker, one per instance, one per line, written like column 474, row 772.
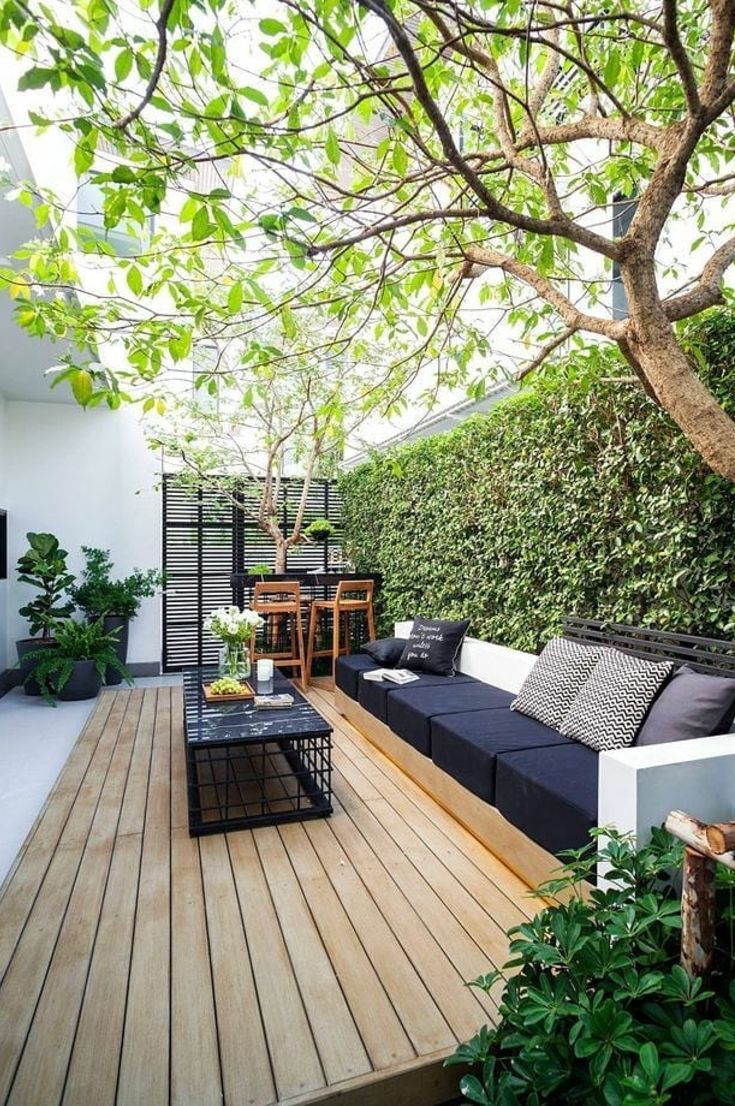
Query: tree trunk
column 281, row 551
column 652, row 345
column 697, row 914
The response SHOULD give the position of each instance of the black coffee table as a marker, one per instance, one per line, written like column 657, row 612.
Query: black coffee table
column 247, row 767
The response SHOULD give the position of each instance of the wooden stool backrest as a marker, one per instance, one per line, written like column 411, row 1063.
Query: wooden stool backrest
column 277, row 591
column 347, row 588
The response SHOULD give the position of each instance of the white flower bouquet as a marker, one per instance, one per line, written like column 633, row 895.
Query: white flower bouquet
column 235, row 628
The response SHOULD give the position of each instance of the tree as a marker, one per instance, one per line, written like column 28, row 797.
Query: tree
column 409, row 148
column 262, row 424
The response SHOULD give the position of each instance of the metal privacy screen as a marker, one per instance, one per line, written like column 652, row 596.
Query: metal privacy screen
column 205, row 539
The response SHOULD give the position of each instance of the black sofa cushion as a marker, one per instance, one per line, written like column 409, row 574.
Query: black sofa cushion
column 549, row 794
column 347, row 672
column 411, row 709
column 386, row 651
column 466, row 745
column 373, row 695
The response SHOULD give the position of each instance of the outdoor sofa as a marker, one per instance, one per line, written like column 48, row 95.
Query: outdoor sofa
column 520, row 786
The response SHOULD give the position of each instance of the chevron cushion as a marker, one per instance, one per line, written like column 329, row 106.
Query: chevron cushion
column 555, row 679
column 615, row 699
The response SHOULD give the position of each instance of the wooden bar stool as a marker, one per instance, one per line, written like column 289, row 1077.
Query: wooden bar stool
column 277, row 601
column 352, row 596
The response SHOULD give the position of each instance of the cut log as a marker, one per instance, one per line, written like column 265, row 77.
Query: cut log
column 697, row 914
column 695, row 834
column 721, row 837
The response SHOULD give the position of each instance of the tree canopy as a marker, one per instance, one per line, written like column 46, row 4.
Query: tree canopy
column 402, row 169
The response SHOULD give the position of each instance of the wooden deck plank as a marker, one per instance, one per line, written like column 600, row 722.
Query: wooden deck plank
column 42, row 1070
column 195, row 1069
column 95, row 1058
column 338, row 1041
column 421, row 1018
column 144, row 1062
column 247, row 1076
column 313, row 964
column 295, row 1060
column 27, row 874
column 385, row 1038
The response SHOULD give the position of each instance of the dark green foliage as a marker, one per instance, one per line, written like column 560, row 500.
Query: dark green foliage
column 320, row 529
column 43, row 566
column 261, row 569
column 98, row 594
column 577, row 496
column 52, row 668
column 596, row 1010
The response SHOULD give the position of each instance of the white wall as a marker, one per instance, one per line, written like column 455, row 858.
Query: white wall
column 4, row 662
column 87, row 477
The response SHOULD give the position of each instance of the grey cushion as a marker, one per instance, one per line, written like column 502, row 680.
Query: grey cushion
column 555, row 679
column 613, row 702
column 692, row 704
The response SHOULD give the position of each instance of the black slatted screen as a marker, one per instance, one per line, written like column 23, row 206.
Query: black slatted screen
column 205, row 540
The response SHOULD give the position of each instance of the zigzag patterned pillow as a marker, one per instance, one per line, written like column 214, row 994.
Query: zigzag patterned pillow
column 611, row 706
column 555, row 679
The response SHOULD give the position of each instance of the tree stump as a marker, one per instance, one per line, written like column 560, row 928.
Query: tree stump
column 697, row 914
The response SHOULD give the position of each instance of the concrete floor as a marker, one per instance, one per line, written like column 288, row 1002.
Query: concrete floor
column 35, row 740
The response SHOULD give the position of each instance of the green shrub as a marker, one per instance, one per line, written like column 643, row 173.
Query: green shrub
column 98, row 594
column 576, row 496
column 595, row 1009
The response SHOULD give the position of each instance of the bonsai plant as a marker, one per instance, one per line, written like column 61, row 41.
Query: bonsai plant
column 321, row 529
column 42, row 566
column 115, row 602
column 77, row 667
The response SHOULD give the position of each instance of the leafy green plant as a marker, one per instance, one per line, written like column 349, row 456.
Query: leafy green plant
column 320, row 530
column 43, row 566
column 594, row 1007
column 577, row 496
column 98, row 594
column 75, row 641
column 261, row 569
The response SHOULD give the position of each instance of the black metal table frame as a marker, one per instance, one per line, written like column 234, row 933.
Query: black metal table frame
column 305, row 744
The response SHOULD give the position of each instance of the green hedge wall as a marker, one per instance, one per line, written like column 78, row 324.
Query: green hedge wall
column 576, row 496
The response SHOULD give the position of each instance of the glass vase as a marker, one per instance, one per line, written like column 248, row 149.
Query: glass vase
column 234, row 660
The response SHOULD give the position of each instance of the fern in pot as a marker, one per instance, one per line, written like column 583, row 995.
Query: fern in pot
column 114, row 601
column 77, row 667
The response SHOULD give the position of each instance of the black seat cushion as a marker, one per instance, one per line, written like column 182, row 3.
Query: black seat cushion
column 386, row 651
column 373, row 695
column 466, row 745
column 411, row 710
column 549, row 794
column 347, row 672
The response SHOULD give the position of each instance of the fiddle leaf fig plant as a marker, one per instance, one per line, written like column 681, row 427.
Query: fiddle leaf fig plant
column 43, row 566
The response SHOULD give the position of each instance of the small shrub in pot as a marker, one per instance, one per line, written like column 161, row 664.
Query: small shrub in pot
column 43, row 567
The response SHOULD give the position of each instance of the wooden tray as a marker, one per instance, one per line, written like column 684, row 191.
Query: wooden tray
column 210, row 697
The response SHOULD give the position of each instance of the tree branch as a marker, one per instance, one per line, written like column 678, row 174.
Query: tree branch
column 161, row 28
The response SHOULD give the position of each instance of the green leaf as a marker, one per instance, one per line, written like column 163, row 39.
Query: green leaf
column 135, row 280
column 272, row 27
column 331, row 147
column 82, row 386
column 255, row 95
column 123, row 64
column 234, row 298
column 200, row 224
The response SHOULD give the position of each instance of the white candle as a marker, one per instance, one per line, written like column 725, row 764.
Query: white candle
column 265, row 670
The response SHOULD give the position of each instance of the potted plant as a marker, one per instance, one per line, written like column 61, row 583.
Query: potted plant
column 43, row 566
column 261, row 569
column 99, row 596
column 77, row 667
column 235, row 628
column 321, row 529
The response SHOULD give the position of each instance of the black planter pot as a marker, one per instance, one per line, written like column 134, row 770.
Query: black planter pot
column 112, row 623
column 25, row 647
column 84, row 683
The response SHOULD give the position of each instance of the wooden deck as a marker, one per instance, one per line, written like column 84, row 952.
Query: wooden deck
column 320, row 962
